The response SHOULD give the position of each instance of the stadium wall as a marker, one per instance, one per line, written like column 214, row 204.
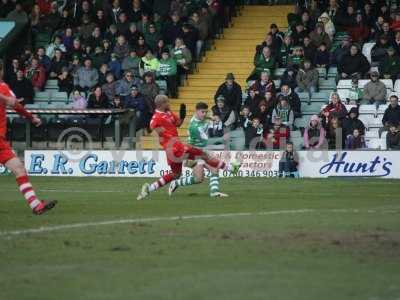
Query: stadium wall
column 313, row 164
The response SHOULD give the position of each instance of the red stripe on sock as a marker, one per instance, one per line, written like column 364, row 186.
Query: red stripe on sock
column 22, row 180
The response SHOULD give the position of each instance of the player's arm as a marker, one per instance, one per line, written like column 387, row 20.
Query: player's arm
column 182, row 116
column 13, row 103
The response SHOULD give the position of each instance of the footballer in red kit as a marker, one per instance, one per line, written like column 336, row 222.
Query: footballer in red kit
column 165, row 124
column 7, row 156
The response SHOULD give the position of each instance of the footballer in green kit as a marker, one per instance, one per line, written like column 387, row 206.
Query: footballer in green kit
column 198, row 137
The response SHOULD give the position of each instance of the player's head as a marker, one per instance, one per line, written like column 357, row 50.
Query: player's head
column 201, row 110
column 162, row 103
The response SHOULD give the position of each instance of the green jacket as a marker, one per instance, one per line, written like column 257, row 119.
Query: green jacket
column 284, row 53
column 391, row 65
column 198, row 132
column 167, row 67
column 152, row 39
column 263, row 64
column 150, row 65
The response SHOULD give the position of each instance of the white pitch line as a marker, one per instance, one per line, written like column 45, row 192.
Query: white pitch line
column 179, row 218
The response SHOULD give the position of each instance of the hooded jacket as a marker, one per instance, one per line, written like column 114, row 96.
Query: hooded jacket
column 349, row 124
column 314, row 136
column 307, row 78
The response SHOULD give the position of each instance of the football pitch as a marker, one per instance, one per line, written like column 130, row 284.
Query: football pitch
column 271, row 239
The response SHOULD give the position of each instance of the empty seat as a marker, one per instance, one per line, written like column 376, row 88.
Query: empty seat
column 371, row 134
column 367, row 109
column 343, row 93
column 51, row 84
column 322, row 72
column 375, row 143
column 332, row 72
column 301, row 122
column 297, row 142
column 367, row 120
column 320, row 97
column 350, row 106
column 277, row 83
column 59, row 97
column 162, row 84
column 295, row 134
column 397, row 86
column 303, row 96
column 382, row 108
column 313, row 107
column 279, row 72
column 42, row 96
column 344, row 84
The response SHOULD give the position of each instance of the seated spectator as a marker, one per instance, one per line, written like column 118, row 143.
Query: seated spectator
column 23, row 89
column 109, row 88
column 359, row 31
column 57, row 64
column 334, row 108
column 289, row 77
column 340, row 52
column 142, row 108
column 86, row 77
column 307, row 21
column 18, row 14
column 97, row 99
column 149, row 88
column 117, row 102
column 355, row 141
column 182, row 56
column 293, row 99
column 264, row 84
column 298, row 34
column 124, row 85
column 322, row 57
column 314, row 134
column 390, row 67
column 393, row 138
column 379, row 51
column 141, row 47
column 152, row 36
column 252, row 100
column 57, row 44
column 231, row 91
column 190, row 37
column 96, row 40
column 216, row 127
column 319, row 36
column 285, row 51
column 297, row 58
column 114, row 66
column 131, row 63
column 202, row 28
column 289, row 162
column 149, row 63
column 121, row 48
column 374, row 91
column 44, row 60
column 254, row 135
column 334, row 134
column 78, row 101
column 103, row 71
column 65, row 81
column 225, row 113
column 11, row 73
column 353, row 64
column 283, row 112
column 263, row 113
column 309, row 49
column 263, row 62
column 36, row 74
column 355, row 94
column 392, row 114
column 307, row 79
column 99, row 57
column 245, row 117
column 329, row 27
column 353, row 122
column 168, row 70
column 278, row 135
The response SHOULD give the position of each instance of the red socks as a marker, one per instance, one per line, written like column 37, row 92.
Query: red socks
column 26, row 189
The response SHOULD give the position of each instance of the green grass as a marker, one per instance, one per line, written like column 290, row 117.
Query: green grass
column 326, row 253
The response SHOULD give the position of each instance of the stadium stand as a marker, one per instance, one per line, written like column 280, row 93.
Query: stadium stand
column 205, row 41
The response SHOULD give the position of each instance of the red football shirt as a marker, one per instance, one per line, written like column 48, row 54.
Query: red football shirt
column 6, row 91
column 168, row 122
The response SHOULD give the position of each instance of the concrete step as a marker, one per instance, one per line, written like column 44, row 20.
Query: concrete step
column 244, row 44
column 208, row 87
column 234, row 59
column 213, row 76
column 244, row 36
column 237, row 53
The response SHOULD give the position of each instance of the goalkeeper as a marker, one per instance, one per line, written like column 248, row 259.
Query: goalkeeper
column 198, row 137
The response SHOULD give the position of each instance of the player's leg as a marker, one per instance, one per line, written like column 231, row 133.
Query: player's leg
column 176, row 171
column 197, row 153
column 17, row 168
column 196, row 178
column 214, row 183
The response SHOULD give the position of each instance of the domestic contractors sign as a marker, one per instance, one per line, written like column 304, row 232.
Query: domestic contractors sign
column 315, row 164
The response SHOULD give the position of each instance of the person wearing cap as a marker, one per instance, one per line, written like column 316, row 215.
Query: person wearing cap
column 231, row 91
column 131, row 63
column 352, row 122
column 226, row 114
column 263, row 62
column 390, row 68
column 167, row 70
column 374, row 91
column 136, row 101
column 353, row 64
